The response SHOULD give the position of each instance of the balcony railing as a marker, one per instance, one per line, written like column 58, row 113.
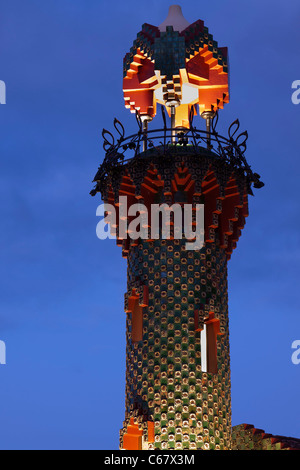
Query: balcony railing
column 167, row 141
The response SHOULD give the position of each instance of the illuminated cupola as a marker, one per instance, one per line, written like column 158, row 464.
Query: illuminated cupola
column 176, row 64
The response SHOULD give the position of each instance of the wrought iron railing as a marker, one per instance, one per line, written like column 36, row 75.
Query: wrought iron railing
column 162, row 142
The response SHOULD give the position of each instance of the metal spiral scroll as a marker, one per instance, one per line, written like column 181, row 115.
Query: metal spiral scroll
column 160, row 142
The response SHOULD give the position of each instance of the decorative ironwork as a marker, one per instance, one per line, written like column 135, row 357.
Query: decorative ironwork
column 160, row 142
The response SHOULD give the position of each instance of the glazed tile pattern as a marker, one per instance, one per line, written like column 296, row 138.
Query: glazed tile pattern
column 164, row 382
column 247, row 437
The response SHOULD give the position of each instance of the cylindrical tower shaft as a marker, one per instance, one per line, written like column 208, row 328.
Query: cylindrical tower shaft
column 165, row 381
column 178, row 393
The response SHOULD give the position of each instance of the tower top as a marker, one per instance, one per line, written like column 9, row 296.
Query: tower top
column 175, row 18
column 182, row 68
column 178, row 65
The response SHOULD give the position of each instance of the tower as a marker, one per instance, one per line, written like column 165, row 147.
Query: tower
column 178, row 393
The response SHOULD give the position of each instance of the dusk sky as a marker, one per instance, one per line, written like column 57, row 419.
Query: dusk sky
column 62, row 289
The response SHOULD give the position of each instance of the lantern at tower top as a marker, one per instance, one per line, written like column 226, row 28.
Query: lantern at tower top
column 178, row 65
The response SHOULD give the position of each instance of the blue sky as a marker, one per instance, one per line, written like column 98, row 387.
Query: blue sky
column 61, row 301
